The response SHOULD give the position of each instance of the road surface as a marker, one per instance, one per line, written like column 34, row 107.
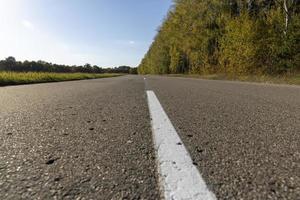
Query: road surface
column 93, row 139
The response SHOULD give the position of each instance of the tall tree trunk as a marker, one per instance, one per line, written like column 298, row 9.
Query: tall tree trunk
column 287, row 16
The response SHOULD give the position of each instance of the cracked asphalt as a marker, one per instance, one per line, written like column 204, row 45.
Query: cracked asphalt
column 92, row 139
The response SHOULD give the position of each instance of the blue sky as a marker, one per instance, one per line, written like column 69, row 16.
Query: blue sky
column 103, row 32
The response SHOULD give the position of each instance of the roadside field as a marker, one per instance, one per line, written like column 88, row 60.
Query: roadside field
column 16, row 78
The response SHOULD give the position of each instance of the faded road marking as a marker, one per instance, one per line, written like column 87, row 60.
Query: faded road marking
column 178, row 177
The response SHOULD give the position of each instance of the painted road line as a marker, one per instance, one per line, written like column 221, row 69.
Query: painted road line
column 178, row 177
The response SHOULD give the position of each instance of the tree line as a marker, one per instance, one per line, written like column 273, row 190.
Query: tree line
column 11, row 64
column 233, row 37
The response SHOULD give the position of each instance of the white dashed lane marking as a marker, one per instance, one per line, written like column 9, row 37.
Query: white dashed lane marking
column 178, row 177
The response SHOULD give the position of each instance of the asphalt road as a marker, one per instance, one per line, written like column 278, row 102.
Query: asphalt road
column 92, row 139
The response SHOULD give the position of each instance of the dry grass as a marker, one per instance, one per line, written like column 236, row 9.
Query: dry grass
column 287, row 79
column 16, row 78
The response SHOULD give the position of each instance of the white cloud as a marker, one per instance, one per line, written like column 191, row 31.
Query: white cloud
column 125, row 42
column 27, row 24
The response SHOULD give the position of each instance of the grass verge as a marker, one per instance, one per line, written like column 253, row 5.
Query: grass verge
column 287, row 79
column 16, row 78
